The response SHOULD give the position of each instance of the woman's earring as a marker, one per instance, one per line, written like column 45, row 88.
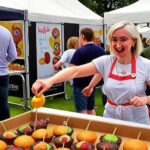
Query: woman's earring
column 133, row 47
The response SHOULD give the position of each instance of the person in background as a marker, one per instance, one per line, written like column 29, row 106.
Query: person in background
column 144, row 42
column 148, row 42
column 8, row 54
column 146, row 54
column 125, row 74
column 85, row 54
column 97, row 41
column 72, row 45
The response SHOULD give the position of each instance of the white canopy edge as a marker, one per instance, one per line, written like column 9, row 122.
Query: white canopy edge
column 145, row 31
column 55, row 11
column 139, row 12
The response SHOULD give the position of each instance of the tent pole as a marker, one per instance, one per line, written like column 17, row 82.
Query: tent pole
column 104, row 36
column 27, row 59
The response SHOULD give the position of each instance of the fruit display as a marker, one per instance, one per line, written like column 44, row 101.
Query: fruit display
column 16, row 67
column 71, row 132
column 47, row 139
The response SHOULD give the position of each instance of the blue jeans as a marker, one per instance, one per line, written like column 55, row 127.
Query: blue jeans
column 4, row 108
column 83, row 102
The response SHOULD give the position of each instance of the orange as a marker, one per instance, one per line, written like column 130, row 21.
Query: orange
column 38, row 101
column 135, row 144
column 24, row 141
column 3, row 145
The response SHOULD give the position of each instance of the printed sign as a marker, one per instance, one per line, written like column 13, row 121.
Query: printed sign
column 49, row 51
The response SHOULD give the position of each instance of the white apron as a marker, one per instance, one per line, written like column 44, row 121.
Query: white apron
column 124, row 87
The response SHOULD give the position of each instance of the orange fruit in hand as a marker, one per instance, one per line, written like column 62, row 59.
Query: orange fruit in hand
column 38, row 101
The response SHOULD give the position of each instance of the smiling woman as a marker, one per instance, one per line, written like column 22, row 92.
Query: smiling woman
column 123, row 79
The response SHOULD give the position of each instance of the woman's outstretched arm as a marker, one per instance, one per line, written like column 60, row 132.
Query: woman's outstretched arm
column 40, row 86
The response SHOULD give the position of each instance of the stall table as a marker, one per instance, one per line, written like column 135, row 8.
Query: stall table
column 20, row 73
column 100, row 125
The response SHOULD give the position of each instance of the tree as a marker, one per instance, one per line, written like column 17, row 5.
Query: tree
column 101, row 6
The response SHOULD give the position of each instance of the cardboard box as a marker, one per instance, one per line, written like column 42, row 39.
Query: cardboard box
column 80, row 122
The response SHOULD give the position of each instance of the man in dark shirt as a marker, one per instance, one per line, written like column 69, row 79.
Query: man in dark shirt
column 85, row 54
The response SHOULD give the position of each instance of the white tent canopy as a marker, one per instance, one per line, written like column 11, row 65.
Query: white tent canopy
column 145, row 31
column 138, row 12
column 56, row 11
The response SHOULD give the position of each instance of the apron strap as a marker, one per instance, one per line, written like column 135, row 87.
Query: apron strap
column 114, row 104
column 133, row 71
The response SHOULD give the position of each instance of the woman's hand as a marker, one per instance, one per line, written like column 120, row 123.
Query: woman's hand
column 139, row 101
column 87, row 91
column 40, row 86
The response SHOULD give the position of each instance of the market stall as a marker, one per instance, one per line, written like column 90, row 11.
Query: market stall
column 47, row 18
column 14, row 21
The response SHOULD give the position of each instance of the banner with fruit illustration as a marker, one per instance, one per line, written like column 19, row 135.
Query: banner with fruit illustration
column 15, row 82
column 49, row 49
column 17, row 30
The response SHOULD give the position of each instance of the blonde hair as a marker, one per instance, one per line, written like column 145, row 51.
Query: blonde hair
column 130, row 29
column 73, row 42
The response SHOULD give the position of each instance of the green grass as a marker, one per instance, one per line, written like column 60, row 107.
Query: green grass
column 56, row 102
